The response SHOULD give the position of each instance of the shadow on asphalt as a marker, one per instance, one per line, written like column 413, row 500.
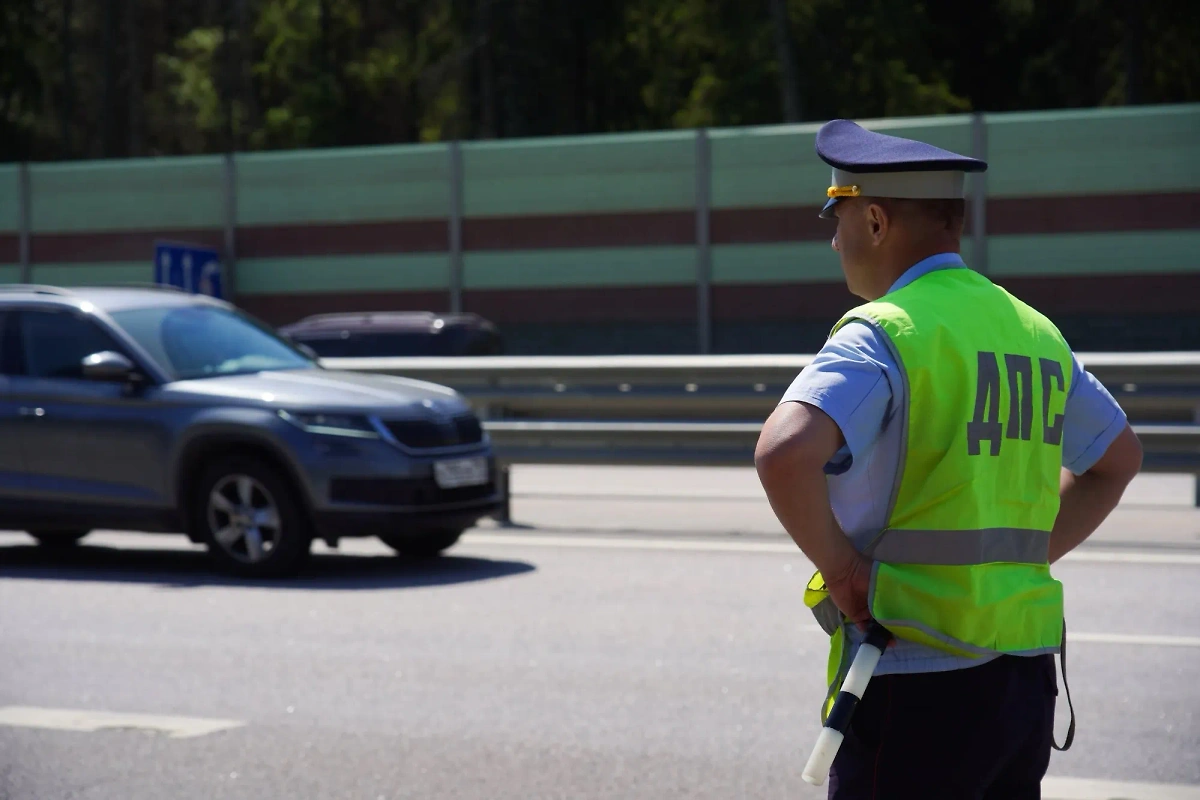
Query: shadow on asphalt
column 192, row 568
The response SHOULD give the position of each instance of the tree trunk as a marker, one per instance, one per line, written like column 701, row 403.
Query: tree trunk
column 68, row 105
column 789, row 83
column 411, row 123
column 108, row 113
column 508, row 35
column 133, row 53
column 487, row 72
column 323, row 24
column 1133, row 63
column 581, row 94
column 247, row 91
column 229, row 73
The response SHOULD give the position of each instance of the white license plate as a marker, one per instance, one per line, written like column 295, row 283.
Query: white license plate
column 455, row 472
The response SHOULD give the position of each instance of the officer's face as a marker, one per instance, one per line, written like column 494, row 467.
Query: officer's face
column 851, row 242
column 862, row 228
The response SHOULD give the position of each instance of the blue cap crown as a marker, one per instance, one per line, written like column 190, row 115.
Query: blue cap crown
column 866, row 163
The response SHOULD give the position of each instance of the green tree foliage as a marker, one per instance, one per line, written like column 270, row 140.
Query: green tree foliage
column 112, row 78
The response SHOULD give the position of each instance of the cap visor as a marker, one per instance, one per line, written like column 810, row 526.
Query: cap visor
column 827, row 211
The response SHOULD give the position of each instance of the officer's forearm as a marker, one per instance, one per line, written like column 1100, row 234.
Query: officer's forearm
column 799, row 496
column 796, row 442
column 1087, row 499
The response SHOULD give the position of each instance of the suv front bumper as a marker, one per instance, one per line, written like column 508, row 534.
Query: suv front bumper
column 433, row 508
column 365, row 487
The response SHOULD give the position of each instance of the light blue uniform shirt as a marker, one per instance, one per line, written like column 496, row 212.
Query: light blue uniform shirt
column 855, row 380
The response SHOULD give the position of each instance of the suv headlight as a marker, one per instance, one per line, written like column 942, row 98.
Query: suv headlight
column 356, row 425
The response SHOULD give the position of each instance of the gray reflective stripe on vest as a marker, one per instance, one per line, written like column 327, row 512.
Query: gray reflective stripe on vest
column 965, row 647
column 962, row 548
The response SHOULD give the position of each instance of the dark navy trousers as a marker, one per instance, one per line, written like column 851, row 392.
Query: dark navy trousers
column 982, row 733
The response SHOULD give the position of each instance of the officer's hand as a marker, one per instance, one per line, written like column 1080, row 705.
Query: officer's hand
column 849, row 588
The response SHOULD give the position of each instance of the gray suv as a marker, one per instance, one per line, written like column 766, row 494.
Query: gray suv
column 148, row 409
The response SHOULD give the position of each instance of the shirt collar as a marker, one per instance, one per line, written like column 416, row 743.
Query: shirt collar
column 926, row 266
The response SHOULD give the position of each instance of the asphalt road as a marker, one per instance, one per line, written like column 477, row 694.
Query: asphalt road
column 617, row 647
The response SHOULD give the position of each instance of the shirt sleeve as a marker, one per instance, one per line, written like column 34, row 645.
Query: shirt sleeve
column 849, row 380
column 1091, row 421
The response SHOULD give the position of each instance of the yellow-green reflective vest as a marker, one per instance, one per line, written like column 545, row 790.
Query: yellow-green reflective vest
column 962, row 564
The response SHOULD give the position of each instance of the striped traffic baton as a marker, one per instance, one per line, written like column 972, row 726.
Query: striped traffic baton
column 831, row 736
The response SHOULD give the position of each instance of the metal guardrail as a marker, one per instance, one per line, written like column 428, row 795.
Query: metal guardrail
column 708, row 410
column 1168, row 448
column 1151, row 387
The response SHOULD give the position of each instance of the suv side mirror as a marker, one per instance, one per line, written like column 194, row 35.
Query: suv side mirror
column 107, row 366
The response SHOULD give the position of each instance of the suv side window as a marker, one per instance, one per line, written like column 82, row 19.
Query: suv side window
column 370, row 344
column 8, row 359
column 326, row 347
column 396, row 344
column 54, row 343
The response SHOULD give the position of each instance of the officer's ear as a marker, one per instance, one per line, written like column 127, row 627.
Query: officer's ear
column 878, row 219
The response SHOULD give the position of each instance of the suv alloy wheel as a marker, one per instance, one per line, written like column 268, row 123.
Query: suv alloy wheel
column 248, row 516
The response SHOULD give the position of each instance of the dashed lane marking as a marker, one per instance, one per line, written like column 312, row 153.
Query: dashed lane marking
column 68, row 719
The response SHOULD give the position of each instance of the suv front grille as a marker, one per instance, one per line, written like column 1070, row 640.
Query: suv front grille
column 426, row 434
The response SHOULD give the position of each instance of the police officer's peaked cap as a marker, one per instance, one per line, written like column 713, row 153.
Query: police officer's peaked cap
column 870, row 164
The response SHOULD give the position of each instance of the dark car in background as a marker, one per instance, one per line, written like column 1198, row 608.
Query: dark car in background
column 153, row 410
column 395, row 333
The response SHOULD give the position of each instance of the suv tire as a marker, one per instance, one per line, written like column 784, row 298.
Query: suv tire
column 246, row 512
column 59, row 539
column 425, row 544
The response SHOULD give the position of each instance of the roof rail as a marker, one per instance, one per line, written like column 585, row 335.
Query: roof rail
column 35, row 288
column 345, row 314
column 166, row 287
column 66, row 290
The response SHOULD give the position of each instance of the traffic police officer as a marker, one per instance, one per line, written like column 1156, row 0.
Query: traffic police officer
column 943, row 448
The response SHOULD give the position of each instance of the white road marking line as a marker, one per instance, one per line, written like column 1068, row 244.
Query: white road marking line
column 67, row 719
column 697, row 545
column 1146, row 640
column 1089, row 789
column 1132, row 557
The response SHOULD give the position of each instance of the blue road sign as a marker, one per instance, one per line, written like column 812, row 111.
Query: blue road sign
column 189, row 267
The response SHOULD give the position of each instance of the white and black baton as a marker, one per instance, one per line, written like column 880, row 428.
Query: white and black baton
column 831, row 736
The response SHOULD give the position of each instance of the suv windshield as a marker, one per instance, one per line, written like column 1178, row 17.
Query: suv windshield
column 204, row 341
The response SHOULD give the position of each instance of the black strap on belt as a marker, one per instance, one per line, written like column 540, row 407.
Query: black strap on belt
column 1071, row 730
